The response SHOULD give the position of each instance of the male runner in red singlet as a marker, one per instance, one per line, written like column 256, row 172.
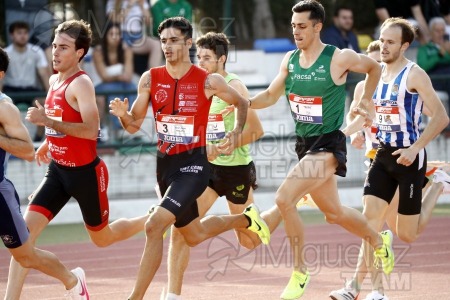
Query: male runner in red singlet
column 72, row 124
column 180, row 94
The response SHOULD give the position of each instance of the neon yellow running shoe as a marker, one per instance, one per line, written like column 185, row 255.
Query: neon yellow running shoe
column 257, row 224
column 296, row 286
column 385, row 254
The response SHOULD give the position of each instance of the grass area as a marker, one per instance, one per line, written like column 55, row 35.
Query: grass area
column 73, row 233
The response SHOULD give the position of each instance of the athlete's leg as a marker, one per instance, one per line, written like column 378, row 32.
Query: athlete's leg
column 179, row 251
column 30, row 257
column 36, row 222
column 118, row 230
column 247, row 238
column 156, row 225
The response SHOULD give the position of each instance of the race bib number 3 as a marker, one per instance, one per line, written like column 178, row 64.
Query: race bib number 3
column 176, row 129
column 387, row 118
column 306, row 109
column 54, row 114
column 216, row 128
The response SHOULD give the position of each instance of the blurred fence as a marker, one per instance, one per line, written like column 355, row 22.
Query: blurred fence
column 131, row 158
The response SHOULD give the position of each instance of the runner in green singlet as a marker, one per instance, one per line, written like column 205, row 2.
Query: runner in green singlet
column 313, row 78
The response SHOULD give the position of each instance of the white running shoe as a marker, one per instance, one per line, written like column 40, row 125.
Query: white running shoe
column 441, row 176
column 80, row 291
column 346, row 293
column 375, row 295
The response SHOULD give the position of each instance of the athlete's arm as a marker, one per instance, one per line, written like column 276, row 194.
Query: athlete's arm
column 419, row 81
column 216, row 85
column 355, row 122
column 348, row 60
column 253, row 129
column 80, row 95
column 275, row 90
column 132, row 120
column 15, row 138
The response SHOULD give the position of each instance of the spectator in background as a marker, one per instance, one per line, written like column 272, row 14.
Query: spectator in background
column 164, row 9
column 134, row 15
column 113, row 60
column 341, row 34
column 37, row 13
column 434, row 57
column 28, row 69
column 407, row 9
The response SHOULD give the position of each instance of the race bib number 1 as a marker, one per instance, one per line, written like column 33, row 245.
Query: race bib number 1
column 176, row 129
column 387, row 118
column 306, row 109
column 216, row 128
column 54, row 114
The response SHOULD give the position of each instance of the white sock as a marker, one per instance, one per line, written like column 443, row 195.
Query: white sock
column 171, row 296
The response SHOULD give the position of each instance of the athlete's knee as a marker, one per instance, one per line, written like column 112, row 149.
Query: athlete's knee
column 101, row 242
column 283, row 202
column 248, row 243
column 26, row 260
column 334, row 216
column 193, row 240
column 153, row 227
column 407, row 237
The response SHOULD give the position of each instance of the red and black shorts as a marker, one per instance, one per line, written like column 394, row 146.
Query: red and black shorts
column 88, row 184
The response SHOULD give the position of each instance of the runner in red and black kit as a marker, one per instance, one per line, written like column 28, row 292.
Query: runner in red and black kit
column 181, row 109
column 180, row 96
column 75, row 170
column 72, row 124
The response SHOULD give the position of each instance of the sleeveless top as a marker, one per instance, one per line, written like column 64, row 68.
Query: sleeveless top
column 180, row 108
column 398, row 111
column 66, row 150
column 317, row 103
column 218, row 126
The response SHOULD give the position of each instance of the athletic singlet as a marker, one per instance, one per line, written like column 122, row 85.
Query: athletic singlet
column 180, row 108
column 316, row 102
column 4, row 156
column 218, row 126
column 66, row 150
column 398, row 111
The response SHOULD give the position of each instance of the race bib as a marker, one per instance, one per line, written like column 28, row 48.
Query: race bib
column 306, row 109
column 176, row 129
column 387, row 118
column 54, row 114
column 216, row 128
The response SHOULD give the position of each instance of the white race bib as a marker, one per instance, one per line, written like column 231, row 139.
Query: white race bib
column 387, row 118
column 54, row 114
column 306, row 109
column 216, row 128
column 176, row 129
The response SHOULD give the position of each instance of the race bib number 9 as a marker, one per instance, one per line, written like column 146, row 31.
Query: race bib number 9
column 54, row 114
column 387, row 118
column 216, row 128
column 306, row 109
column 176, row 129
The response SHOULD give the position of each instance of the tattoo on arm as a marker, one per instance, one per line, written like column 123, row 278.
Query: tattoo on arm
column 146, row 84
column 208, row 84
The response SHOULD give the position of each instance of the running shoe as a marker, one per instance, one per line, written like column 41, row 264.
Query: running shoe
column 257, row 224
column 346, row 293
column 296, row 286
column 375, row 295
column 441, row 176
column 80, row 291
column 306, row 200
column 385, row 254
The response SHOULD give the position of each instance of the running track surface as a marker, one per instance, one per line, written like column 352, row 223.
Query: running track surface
column 219, row 270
